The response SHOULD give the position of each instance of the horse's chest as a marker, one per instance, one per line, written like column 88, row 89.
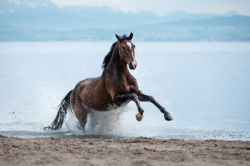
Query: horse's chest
column 125, row 87
column 121, row 86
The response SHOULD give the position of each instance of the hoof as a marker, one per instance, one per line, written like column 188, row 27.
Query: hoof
column 168, row 118
column 139, row 117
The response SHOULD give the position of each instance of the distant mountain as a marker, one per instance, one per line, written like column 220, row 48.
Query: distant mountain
column 11, row 6
column 43, row 21
column 233, row 28
column 48, row 15
column 231, row 13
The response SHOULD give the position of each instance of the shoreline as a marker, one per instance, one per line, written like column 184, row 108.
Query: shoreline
column 111, row 151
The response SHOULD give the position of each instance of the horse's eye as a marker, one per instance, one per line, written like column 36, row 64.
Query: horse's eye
column 123, row 47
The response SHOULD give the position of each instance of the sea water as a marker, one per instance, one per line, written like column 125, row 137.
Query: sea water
column 205, row 87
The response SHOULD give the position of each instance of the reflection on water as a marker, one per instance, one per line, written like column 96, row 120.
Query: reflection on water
column 205, row 86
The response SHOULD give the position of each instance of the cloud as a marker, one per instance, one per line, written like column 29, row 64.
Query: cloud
column 17, row 2
column 31, row 3
column 162, row 7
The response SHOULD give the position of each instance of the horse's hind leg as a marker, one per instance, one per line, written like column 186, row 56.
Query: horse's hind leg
column 81, row 113
column 143, row 97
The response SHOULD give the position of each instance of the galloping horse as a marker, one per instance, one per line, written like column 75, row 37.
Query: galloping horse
column 116, row 86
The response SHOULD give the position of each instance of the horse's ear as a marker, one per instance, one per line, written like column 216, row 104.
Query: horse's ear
column 118, row 37
column 130, row 36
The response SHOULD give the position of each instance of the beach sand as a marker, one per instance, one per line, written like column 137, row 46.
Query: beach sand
column 138, row 151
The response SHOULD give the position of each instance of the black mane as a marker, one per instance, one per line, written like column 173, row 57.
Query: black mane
column 109, row 55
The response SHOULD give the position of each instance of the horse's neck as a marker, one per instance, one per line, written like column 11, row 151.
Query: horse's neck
column 117, row 64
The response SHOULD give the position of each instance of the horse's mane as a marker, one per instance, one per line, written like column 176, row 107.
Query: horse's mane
column 109, row 55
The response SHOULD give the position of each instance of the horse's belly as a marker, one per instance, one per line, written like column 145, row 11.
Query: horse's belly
column 98, row 101
column 99, row 105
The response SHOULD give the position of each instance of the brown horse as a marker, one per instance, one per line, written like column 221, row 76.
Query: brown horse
column 115, row 87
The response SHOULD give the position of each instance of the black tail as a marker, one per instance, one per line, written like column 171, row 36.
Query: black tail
column 58, row 122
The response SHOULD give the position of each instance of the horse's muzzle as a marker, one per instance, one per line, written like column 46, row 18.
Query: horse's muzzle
column 132, row 65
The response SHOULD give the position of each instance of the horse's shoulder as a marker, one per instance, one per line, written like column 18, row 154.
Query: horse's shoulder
column 114, row 76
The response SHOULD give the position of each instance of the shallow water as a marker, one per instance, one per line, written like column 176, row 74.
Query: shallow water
column 205, row 86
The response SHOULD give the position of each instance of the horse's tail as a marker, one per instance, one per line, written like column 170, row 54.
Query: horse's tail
column 58, row 122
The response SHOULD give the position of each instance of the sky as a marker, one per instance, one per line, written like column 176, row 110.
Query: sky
column 163, row 7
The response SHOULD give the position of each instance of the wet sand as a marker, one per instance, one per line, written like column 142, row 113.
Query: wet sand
column 138, row 151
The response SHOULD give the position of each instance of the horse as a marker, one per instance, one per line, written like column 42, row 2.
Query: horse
column 116, row 86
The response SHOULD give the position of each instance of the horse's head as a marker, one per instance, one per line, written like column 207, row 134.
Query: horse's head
column 127, row 50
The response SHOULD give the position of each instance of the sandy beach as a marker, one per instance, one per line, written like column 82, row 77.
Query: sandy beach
column 137, row 151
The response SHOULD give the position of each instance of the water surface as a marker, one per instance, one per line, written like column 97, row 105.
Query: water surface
column 205, row 86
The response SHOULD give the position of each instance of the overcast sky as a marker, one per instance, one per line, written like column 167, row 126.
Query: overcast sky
column 161, row 7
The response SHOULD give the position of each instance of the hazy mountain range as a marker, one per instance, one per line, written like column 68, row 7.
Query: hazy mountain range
column 44, row 21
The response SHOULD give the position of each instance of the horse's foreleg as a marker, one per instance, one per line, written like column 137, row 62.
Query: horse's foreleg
column 122, row 99
column 143, row 97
